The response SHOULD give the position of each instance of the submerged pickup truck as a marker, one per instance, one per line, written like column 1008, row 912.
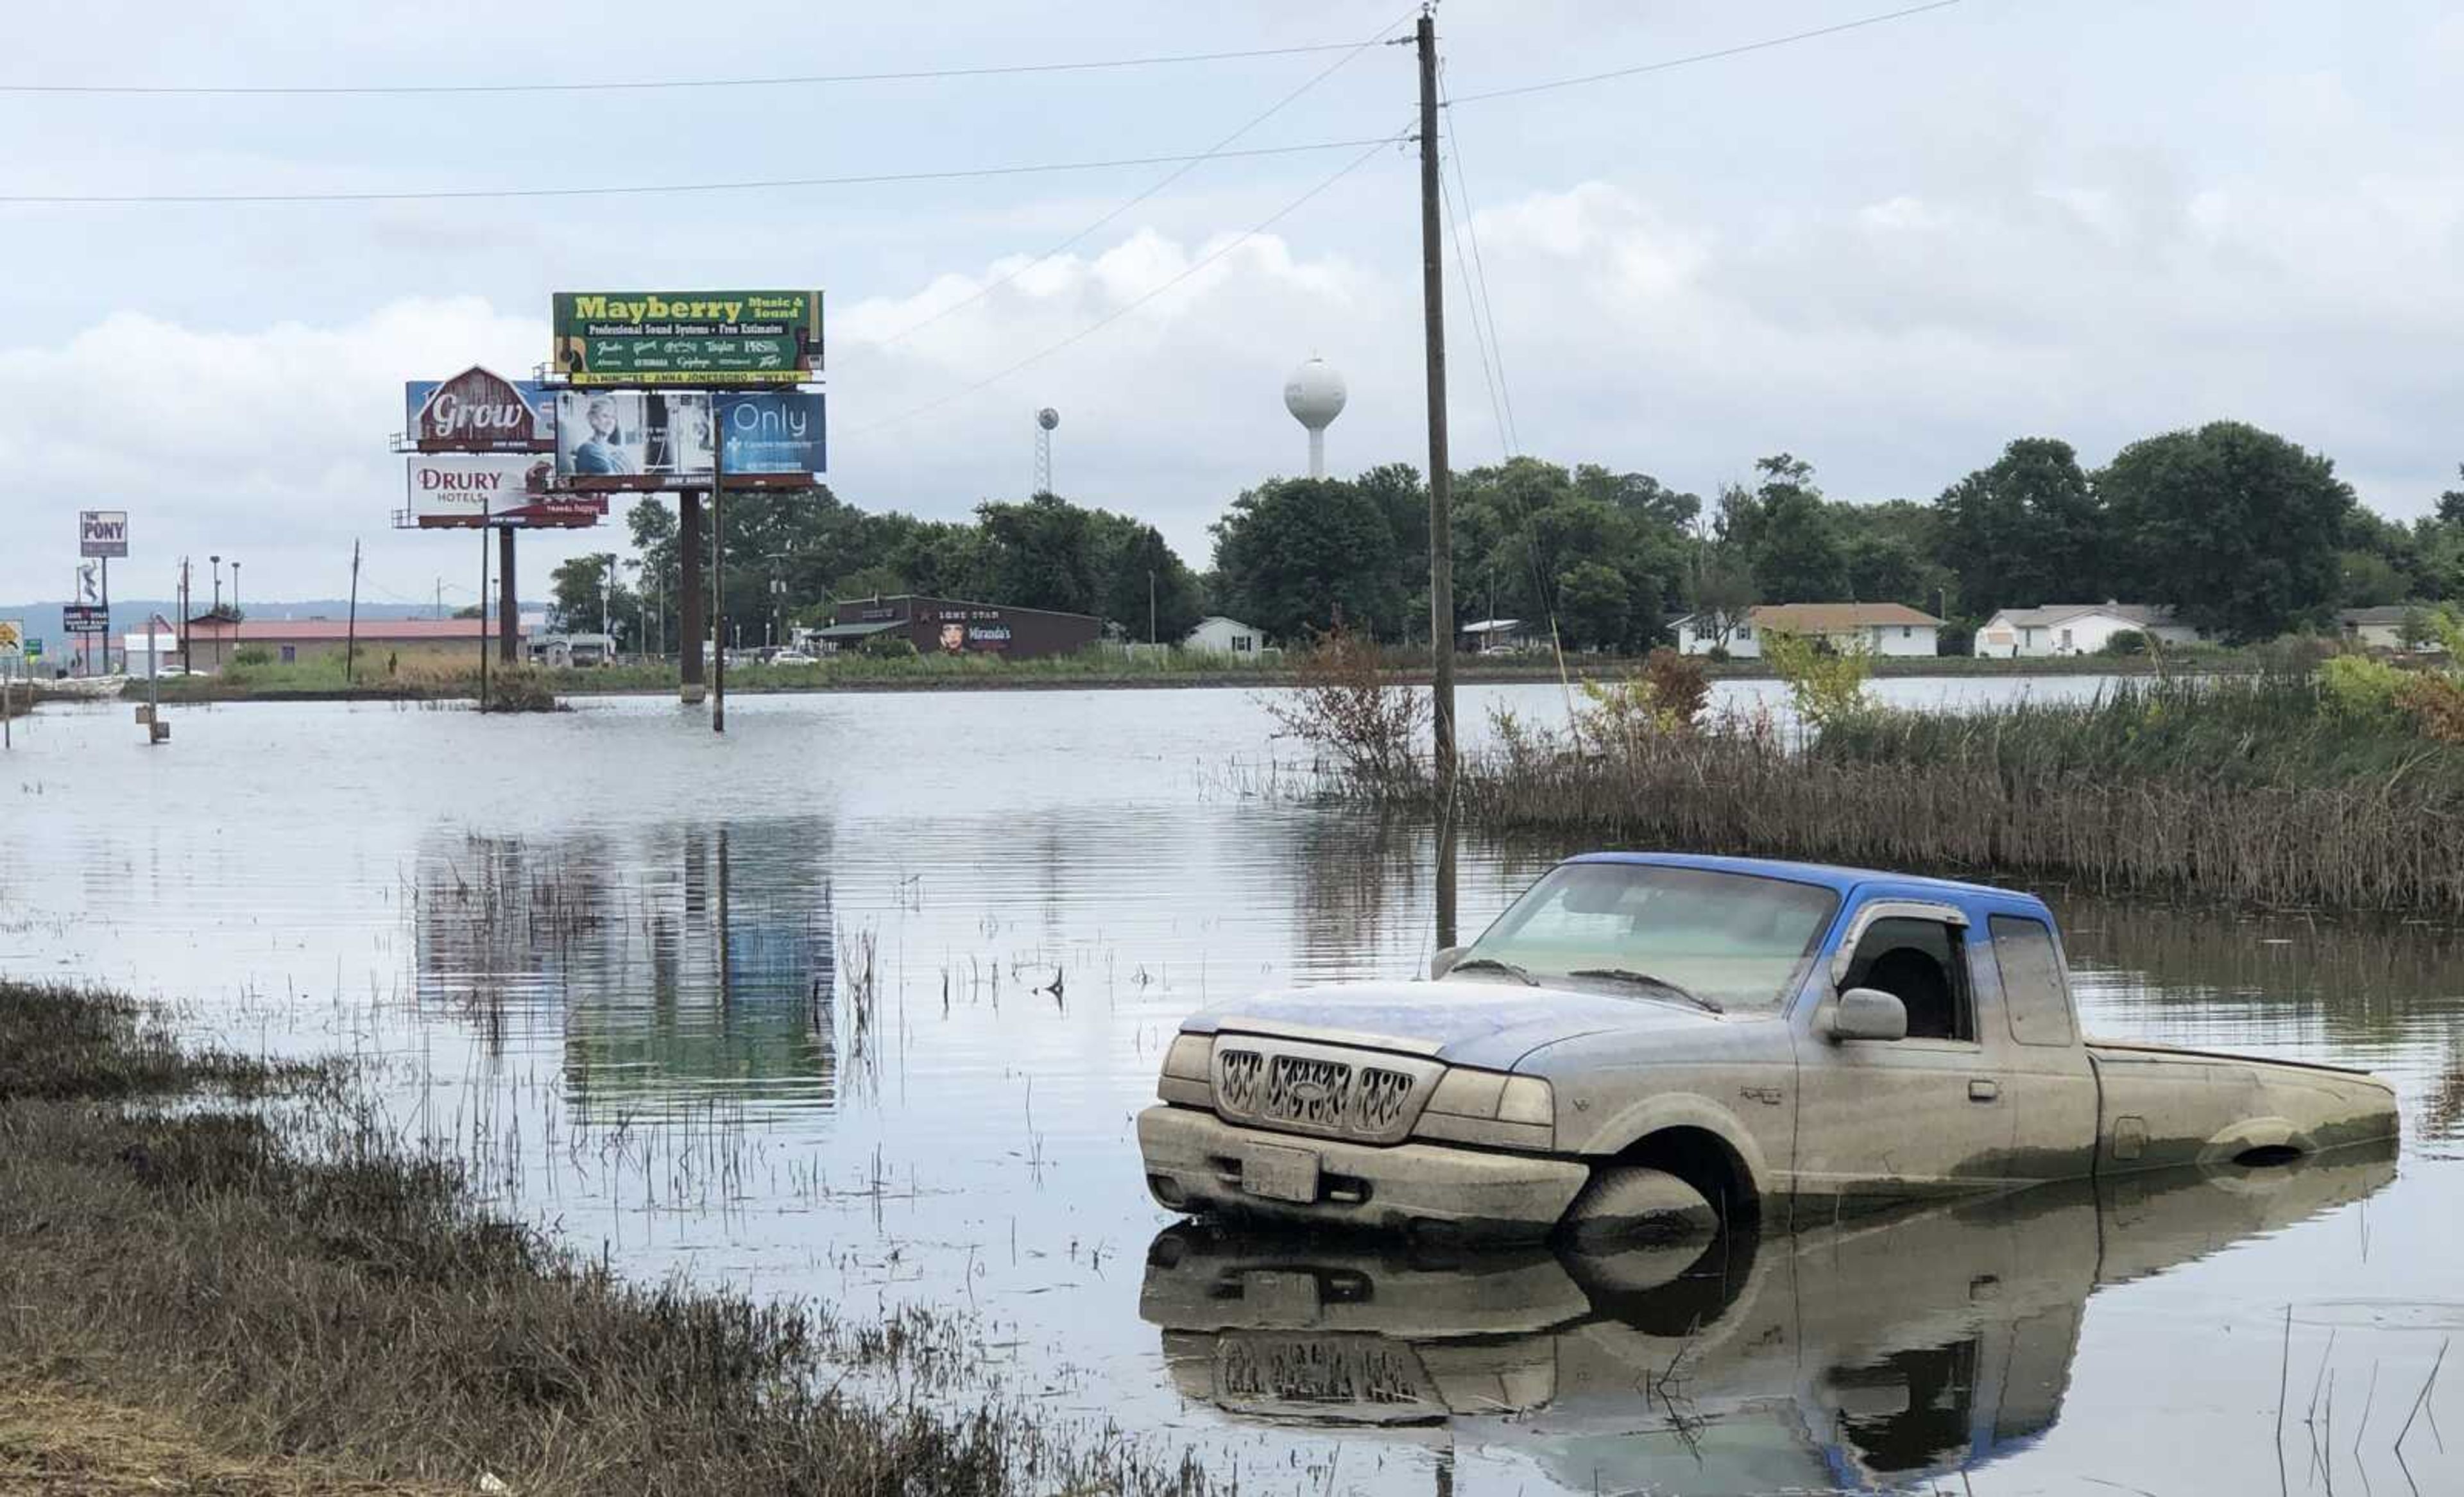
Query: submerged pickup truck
column 1649, row 1042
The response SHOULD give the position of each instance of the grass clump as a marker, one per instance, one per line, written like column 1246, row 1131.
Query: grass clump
column 303, row 1291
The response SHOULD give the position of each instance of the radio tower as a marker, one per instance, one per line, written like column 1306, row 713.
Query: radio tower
column 1045, row 421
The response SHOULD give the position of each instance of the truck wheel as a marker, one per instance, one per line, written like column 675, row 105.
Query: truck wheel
column 1634, row 1203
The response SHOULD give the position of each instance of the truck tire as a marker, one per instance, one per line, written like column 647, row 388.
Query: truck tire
column 1634, row 1203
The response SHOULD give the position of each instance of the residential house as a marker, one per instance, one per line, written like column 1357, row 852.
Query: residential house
column 2373, row 628
column 1879, row 628
column 1488, row 636
column 2075, row 628
column 1217, row 635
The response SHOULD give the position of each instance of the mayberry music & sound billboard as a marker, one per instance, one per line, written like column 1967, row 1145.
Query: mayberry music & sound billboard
column 706, row 338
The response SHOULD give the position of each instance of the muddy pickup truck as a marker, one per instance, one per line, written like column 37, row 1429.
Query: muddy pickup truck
column 1649, row 1043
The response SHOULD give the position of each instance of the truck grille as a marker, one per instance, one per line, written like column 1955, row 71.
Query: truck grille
column 1315, row 1089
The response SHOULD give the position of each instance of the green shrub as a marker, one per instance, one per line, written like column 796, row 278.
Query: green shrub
column 2360, row 688
column 889, row 645
column 2125, row 643
column 251, row 656
column 1827, row 684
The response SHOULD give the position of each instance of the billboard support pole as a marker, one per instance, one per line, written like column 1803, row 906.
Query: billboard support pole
column 351, row 630
column 483, row 618
column 106, row 614
column 691, row 628
column 508, row 611
column 719, row 581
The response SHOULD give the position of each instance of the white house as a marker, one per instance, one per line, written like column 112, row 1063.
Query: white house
column 1484, row 636
column 2374, row 628
column 2075, row 628
column 1217, row 635
column 1880, row 628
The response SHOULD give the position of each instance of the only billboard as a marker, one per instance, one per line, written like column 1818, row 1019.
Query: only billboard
column 772, row 439
column 461, row 490
column 103, row 533
column 632, row 439
column 478, row 411
column 706, row 339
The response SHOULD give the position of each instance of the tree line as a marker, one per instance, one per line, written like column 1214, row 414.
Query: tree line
column 2247, row 533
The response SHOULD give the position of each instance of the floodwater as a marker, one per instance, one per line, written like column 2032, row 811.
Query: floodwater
column 858, row 1001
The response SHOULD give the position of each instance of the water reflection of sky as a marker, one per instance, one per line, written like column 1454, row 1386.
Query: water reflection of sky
column 621, row 966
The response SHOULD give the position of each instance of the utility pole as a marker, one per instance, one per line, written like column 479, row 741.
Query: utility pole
column 187, row 663
column 508, row 608
column 1441, row 564
column 351, row 629
column 483, row 618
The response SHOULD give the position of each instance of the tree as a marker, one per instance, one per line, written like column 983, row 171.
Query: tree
column 2236, row 527
column 1596, row 605
column 1795, row 543
column 1719, row 594
column 1146, row 575
column 2028, row 530
column 579, row 582
column 1299, row 556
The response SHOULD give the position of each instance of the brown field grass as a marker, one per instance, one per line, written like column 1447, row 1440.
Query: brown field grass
column 279, row 1284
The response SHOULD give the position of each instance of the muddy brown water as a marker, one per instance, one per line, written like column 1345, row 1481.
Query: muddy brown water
column 622, row 968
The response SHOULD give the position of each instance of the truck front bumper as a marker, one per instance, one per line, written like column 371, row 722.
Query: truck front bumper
column 1196, row 1162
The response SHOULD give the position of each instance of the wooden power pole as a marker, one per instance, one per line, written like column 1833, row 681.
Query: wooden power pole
column 1441, row 564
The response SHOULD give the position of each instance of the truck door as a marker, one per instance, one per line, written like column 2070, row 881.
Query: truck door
column 2048, row 1084
column 1924, row 1115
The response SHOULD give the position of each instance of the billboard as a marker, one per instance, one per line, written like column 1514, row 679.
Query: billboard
column 103, row 532
column 461, row 490
column 12, row 637
column 478, row 411
column 771, row 439
column 84, row 618
column 632, row 439
column 706, row 339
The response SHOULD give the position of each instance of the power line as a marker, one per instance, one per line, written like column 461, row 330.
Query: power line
column 770, row 184
column 1212, row 153
column 1479, row 276
column 1118, row 313
column 630, row 85
column 1739, row 50
column 1480, row 338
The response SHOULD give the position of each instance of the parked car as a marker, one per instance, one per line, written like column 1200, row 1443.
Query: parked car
column 1662, row 1042
column 793, row 657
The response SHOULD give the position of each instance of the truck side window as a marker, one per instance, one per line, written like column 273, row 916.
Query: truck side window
column 1920, row 963
column 2032, row 980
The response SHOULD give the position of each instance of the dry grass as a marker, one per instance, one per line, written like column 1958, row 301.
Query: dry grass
column 55, row 1442
column 2370, row 843
column 308, row 1292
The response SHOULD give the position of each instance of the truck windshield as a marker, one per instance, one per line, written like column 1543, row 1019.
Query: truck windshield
column 1736, row 941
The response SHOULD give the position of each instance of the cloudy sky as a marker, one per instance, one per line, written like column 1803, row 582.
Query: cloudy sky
column 1889, row 251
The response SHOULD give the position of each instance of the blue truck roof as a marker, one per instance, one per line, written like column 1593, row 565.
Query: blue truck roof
column 1838, row 879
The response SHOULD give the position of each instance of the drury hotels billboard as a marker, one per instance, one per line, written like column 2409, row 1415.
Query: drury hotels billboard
column 456, row 490
column 478, row 411
column 700, row 338
column 103, row 532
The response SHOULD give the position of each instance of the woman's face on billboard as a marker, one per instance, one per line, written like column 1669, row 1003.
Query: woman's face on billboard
column 602, row 416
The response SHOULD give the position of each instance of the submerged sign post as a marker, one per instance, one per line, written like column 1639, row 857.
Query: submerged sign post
column 708, row 340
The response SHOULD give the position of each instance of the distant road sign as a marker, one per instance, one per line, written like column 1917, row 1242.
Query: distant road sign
column 33, row 646
column 103, row 532
column 13, row 636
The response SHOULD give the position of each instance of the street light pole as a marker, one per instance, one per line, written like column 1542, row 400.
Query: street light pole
column 218, row 612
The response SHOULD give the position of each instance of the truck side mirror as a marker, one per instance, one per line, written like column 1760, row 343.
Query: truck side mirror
column 1445, row 962
column 1868, row 1013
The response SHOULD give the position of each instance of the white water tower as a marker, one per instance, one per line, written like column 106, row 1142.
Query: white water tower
column 1314, row 396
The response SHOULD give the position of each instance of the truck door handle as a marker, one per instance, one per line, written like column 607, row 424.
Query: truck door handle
column 1980, row 1091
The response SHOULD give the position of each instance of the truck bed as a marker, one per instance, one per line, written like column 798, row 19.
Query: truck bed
column 2162, row 1107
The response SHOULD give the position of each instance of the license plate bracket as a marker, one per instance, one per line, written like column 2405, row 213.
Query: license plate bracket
column 1275, row 1174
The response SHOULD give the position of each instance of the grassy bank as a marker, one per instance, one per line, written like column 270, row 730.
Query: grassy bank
column 321, row 679
column 195, row 1288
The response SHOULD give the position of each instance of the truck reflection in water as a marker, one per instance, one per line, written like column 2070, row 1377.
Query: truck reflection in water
column 1882, row 1351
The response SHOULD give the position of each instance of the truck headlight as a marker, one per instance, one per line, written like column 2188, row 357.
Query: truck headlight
column 1491, row 1108
column 1189, row 1071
